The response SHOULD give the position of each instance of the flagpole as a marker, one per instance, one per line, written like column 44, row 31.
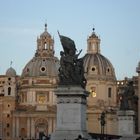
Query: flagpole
column 58, row 33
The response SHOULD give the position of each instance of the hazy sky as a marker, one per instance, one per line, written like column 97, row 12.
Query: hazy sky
column 117, row 22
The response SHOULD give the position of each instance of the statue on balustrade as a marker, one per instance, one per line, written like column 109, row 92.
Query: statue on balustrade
column 128, row 99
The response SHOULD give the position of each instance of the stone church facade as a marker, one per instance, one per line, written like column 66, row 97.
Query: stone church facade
column 28, row 102
column 101, row 83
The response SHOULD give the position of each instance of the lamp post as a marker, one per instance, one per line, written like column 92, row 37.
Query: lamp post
column 102, row 122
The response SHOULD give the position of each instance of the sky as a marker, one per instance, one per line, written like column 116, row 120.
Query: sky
column 116, row 22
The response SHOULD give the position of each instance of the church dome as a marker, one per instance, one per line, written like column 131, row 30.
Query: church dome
column 41, row 67
column 98, row 66
column 11, row 72
column 44, row 63
column 95, row 64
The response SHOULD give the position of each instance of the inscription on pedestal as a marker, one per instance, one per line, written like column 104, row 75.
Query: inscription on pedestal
column 72, row 100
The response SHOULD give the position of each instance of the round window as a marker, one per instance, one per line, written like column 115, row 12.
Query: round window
column 9, row 79
column 43, row 69
column 108, row 70
column 93, row 68
column 27, row 69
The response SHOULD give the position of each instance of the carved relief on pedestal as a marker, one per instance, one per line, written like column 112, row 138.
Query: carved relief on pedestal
column 71, row 100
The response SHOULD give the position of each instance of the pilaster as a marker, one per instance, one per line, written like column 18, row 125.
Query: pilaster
column 32, row 128
column 17, row 126
column 28, row 128
column 14, row 127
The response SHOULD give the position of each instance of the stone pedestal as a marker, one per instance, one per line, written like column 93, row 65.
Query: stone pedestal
column 126, row 125
column 71, row 113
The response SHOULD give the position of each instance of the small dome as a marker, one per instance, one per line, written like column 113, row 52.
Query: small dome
column 39, row 66
column 11, row 72
column 93, row 35
column 45, row 33
column 98, row 66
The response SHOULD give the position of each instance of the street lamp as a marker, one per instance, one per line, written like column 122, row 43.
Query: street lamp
column 102, row 122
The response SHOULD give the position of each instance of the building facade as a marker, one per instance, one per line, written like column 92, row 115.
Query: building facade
column 28, row 102
column 101, row 83
column 138, row 93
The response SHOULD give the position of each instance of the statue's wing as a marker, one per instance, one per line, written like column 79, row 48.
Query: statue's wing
column 67, row 43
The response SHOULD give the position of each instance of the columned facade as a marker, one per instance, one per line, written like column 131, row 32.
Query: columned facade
column 101, row 84
column 31, row 126
column 28, row 102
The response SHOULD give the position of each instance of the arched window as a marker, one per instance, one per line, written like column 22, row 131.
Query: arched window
column 8, row 134
column 93, row 92
column 8, row 125
column 9, row 90
column 109, row 92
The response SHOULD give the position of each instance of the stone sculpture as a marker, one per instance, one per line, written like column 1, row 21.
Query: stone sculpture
column 71, row 71
column 128, row 97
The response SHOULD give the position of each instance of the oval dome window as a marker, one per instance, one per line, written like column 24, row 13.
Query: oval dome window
column 43, row 69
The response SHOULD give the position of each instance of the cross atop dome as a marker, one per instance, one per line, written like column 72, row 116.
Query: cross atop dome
column 45, row 27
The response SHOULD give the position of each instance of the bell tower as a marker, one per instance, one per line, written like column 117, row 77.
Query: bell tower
column 45, row 44
column 93, row 43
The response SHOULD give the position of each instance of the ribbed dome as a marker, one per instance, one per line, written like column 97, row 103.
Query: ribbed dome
column 95, row 64
column 99, row 66
column 11, row 72
column 44, row 63
column 41, row 67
